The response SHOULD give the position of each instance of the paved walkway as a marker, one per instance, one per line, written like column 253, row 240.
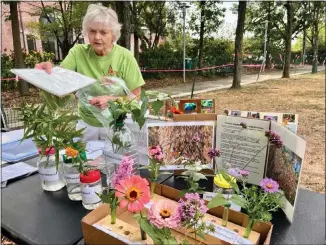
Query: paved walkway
column 183, row 90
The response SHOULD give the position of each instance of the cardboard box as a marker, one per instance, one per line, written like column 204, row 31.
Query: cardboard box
column 94, row 235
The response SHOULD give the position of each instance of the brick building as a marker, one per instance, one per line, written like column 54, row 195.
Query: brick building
column 29, row 40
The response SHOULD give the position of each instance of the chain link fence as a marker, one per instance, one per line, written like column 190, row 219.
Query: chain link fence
column 11, row 117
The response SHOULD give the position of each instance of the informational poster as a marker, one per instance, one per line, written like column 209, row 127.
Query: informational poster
column 285, row 165
column 243, row 145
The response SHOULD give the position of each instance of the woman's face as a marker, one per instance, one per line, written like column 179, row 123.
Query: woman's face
column 100, row 38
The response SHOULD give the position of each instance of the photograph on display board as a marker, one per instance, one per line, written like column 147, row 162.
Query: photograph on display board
column 192, row 140
column 288, row 118
column 271, row 118
column 236, row 113
column 253, row 114
column 190, row 107
column 207, row 106
column 284, row 167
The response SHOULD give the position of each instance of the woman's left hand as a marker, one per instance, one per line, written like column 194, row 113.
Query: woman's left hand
column 100, row 101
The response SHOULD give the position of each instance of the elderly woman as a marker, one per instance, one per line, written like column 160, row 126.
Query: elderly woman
column 102, row 57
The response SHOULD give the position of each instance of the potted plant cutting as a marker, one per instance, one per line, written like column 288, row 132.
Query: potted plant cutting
column 52, row 128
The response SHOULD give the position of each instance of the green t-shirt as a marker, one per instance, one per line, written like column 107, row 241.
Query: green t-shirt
column 120, row 62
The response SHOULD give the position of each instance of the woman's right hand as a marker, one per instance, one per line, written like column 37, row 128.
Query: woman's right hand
column 47, row 66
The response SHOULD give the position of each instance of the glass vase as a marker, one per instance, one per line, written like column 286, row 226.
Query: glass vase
column 250, row 224
column 143, row 234
column 117, row 145
column 113, row 215
column 51, row 178
column 226, row 214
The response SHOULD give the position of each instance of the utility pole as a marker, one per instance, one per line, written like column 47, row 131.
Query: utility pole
column 265, row 50
column 184, row 6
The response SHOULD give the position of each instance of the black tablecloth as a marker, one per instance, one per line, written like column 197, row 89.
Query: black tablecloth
column 31, row 215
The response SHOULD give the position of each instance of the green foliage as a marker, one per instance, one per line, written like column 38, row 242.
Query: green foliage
column 49, row 125
column 159, row 236
column 30, row 59
column 259, row 204
column 109, row 197
column 192, row 175
column 212, row 17
column 58, row 21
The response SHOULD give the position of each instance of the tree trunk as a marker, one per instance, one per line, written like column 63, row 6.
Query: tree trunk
column 124, row 18
column 19, row 62
column 201, row 33
column 304, row 46
column 269, row 26
column 136, row 30
column 288, row 40
column 65, row 47
column 136, row 47
column 315, row 39
column 238, row 44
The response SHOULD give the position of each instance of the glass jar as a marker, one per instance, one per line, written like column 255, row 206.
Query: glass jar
column 72, row 181
column 51, row 177
column 91, row 186
column 117, row 145
column 71, row 175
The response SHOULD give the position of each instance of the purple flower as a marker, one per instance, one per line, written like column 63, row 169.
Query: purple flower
column 214, row 153
column 274, row 138
column 125, row 170
column 244, row 173
column 192, row 207
column 243, row 125
column 269, row 185
column 235, row 172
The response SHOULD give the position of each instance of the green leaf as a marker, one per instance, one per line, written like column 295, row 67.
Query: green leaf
column 157, row 105
column 183, row 192
column 238, row 200
column 218, row 200
column 201, row 234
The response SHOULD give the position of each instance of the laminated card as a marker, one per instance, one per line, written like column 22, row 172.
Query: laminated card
column 60, row 82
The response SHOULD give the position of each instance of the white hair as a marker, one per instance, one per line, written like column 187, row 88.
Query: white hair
column 96, row 13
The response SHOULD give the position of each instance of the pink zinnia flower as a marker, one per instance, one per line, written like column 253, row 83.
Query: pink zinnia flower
column 125, row 170
column 164, row 213
column 48, row 151
column 133, row 192
column 269, row 185
column 155, row 152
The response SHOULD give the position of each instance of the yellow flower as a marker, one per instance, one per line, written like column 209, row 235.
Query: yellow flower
column 71, row 152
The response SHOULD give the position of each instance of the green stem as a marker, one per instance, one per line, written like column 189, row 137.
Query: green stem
column 251, row 223
column 142, row 232
column 113, row 215
column 153, row 184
